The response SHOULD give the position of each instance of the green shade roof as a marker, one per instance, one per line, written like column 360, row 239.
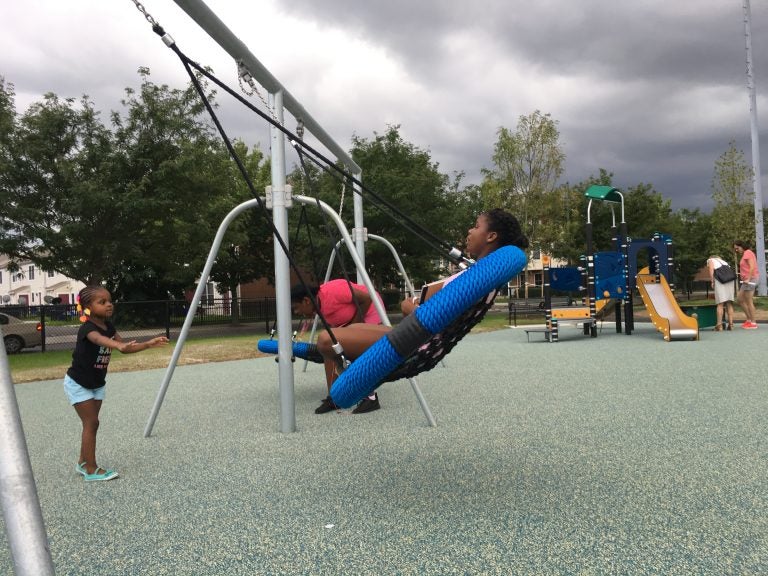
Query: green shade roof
column 606, row 193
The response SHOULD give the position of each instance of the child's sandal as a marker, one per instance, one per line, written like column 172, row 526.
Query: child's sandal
column 105, row 475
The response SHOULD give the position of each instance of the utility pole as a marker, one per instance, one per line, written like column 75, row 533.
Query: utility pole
column 756, row 175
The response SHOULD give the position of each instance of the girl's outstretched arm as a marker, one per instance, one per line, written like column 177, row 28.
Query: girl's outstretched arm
column 130, row 347
column 133, row 346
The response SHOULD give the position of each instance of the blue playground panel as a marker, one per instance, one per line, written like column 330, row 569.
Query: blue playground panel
column 566, row 279
column 610, row 281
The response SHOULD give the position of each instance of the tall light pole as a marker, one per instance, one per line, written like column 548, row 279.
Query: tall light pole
column 756, row 176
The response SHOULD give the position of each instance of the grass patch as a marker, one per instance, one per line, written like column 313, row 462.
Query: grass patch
column 30, row 367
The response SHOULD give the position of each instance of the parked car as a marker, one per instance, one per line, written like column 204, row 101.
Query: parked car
column 18, row 334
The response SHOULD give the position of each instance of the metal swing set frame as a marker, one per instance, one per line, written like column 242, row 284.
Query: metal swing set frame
column 279, row 198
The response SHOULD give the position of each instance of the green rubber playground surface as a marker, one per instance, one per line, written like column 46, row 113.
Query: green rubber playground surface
column 615, row 455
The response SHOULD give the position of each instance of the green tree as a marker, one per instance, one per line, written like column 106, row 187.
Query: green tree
column 54, row 158
column 733, row 216
column 7, row 114
column 691, row 231
column 135, row 207
column 647, row 211
column 527, row 166
column 408, row 178
column 246, row 252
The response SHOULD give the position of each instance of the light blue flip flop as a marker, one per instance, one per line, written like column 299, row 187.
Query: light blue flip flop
column 80, row 469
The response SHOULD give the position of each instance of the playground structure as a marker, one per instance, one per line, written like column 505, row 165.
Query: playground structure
column 611, row 277
column 569, row 279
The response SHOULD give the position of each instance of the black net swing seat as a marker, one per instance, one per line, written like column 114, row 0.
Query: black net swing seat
column 427, row 356
column 424, row 337
column 424, row 358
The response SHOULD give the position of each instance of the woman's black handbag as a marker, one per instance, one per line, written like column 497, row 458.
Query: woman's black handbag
column 724, row 274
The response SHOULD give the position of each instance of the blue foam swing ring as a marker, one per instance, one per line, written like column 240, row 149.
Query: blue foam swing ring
column 432, row 317
column 303, row 350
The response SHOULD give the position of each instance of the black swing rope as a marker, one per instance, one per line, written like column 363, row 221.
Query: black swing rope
column 427, row 236
column 431, row 239
column 329, row 231
column 244, row 172
column 304, row 219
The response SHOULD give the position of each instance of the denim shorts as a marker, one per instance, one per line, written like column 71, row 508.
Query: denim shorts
column 748, row 286
column 77, row 393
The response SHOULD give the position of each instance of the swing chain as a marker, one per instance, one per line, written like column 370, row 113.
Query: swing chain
column 244, row 75
column 146, row 14
column 343, row 191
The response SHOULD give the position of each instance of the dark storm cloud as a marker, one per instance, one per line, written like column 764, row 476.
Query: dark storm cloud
column 624, row 40
column 652, row 78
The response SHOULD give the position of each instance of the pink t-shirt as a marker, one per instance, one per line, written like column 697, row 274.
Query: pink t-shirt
column 338, row 306
column 744, row 265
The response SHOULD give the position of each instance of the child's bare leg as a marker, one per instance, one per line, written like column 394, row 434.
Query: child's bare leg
column 355, row 339
column 330, row 372
column 89, row 415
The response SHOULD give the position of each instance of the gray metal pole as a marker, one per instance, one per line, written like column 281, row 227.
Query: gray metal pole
column 217, row 240
column 23, row 517
column 756, row 176
column 280, row 205
column 396, row 256
column 216, row 29
column 359, row 231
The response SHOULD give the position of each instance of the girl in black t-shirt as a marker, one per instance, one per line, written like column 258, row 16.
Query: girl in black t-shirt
column 85, row 379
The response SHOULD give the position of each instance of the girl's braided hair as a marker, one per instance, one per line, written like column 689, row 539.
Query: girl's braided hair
column 507, row 227
column 86, row 295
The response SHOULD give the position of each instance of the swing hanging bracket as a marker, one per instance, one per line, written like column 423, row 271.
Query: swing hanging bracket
column 360, row 234
column 279, row 196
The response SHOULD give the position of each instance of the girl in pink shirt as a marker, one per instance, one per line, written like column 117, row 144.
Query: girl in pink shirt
column 341, row 303
column 748, row 274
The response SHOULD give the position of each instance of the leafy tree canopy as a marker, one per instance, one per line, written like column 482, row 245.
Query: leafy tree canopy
column 134, row 205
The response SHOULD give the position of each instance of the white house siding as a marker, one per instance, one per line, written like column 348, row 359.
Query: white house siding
column 30, row 285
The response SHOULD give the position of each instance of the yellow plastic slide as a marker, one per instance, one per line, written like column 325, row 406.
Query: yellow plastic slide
column 666, row 315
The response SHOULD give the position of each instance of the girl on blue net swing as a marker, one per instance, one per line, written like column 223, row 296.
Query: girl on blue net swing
column 85, row 380
column 492, row 230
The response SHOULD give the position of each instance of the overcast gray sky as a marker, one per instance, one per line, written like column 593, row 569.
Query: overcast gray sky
column 650, row 90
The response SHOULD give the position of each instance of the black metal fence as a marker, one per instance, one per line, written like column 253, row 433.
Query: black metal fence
column 214, row 317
